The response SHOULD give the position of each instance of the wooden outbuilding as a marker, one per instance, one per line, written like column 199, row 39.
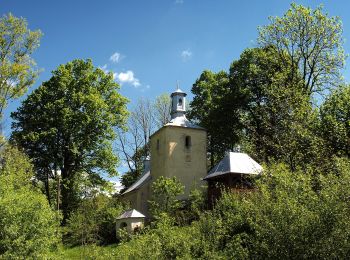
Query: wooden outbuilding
column 232, row 173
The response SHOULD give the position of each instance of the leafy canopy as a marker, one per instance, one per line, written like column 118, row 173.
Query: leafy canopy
column 68, row 124
column 17, row 67
column 308, row 41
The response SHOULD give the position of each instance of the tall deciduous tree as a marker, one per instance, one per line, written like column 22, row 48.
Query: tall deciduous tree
column 68, row 123
column 308, row 41
column 17, row 67
column 219, row 115
column 275, row 111
column 162, row 109
column 133, row 143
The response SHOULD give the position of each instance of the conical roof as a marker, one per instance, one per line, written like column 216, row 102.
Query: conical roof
column 235, row 163
column 178, row 91
column 133, row 213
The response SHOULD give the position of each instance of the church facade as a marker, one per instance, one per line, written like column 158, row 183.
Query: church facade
column 178, row 149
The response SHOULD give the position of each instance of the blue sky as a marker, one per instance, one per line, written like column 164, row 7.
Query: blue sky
column 154, row 42
column 157, row 41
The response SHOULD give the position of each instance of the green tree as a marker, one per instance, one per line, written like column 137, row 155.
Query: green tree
column 309, row 42
column 164, row 196
column 275, row 112
column 17, row 68
column 68, row 123
column 29, row 227
column 335, row 122
column 219, row 115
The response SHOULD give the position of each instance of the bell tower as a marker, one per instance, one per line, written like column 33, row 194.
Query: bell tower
column 178, row 107
column 179, row 148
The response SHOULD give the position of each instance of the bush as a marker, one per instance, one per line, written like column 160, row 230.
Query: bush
column 28, row 226
column 94, row 221
column 288, row 217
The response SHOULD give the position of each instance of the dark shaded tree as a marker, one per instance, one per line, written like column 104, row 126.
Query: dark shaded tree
column 211, row 109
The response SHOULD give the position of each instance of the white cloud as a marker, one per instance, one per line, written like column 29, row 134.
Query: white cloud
column 186, row 55
column 127, row 77
column 179, row 1
column 116, row 57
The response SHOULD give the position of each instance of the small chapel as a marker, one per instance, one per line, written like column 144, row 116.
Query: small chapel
column 179, row 149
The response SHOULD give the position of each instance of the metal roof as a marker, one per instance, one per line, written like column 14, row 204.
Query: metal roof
column 182, row 121
column 137, row 184
column 178, row 91
column 239, row 163
column 133, row 213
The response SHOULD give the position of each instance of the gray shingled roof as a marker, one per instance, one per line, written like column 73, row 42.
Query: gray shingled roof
column 137, row 184
column 133, row 213
column 232, row 163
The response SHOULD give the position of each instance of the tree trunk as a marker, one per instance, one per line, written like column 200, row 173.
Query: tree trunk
column 211, row 153
column 67, row 193
column 47, row 188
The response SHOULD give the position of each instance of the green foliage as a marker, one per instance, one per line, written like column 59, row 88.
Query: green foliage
column 163, row 242
column 68, row 123
column 308, row 41
column 290, row 215
column 191, row 209
column 93, row 222
column 287, row 218
column 164, row 196
column 219, row 115
column 17, row 72
column 335, row 122
column 28, row 226
column 85, row 252
column 128, row 178
column 275, row 112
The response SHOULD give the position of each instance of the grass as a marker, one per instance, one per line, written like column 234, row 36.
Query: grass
column 85, row 252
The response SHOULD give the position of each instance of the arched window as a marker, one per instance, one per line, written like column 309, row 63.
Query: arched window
column 188, row 142
column 180, row 102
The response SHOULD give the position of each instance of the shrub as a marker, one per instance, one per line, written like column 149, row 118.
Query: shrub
column 28, row 226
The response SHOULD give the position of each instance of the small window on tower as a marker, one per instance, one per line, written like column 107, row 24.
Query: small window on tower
column 157, row 144
column 188, row 142
column 180, row 102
